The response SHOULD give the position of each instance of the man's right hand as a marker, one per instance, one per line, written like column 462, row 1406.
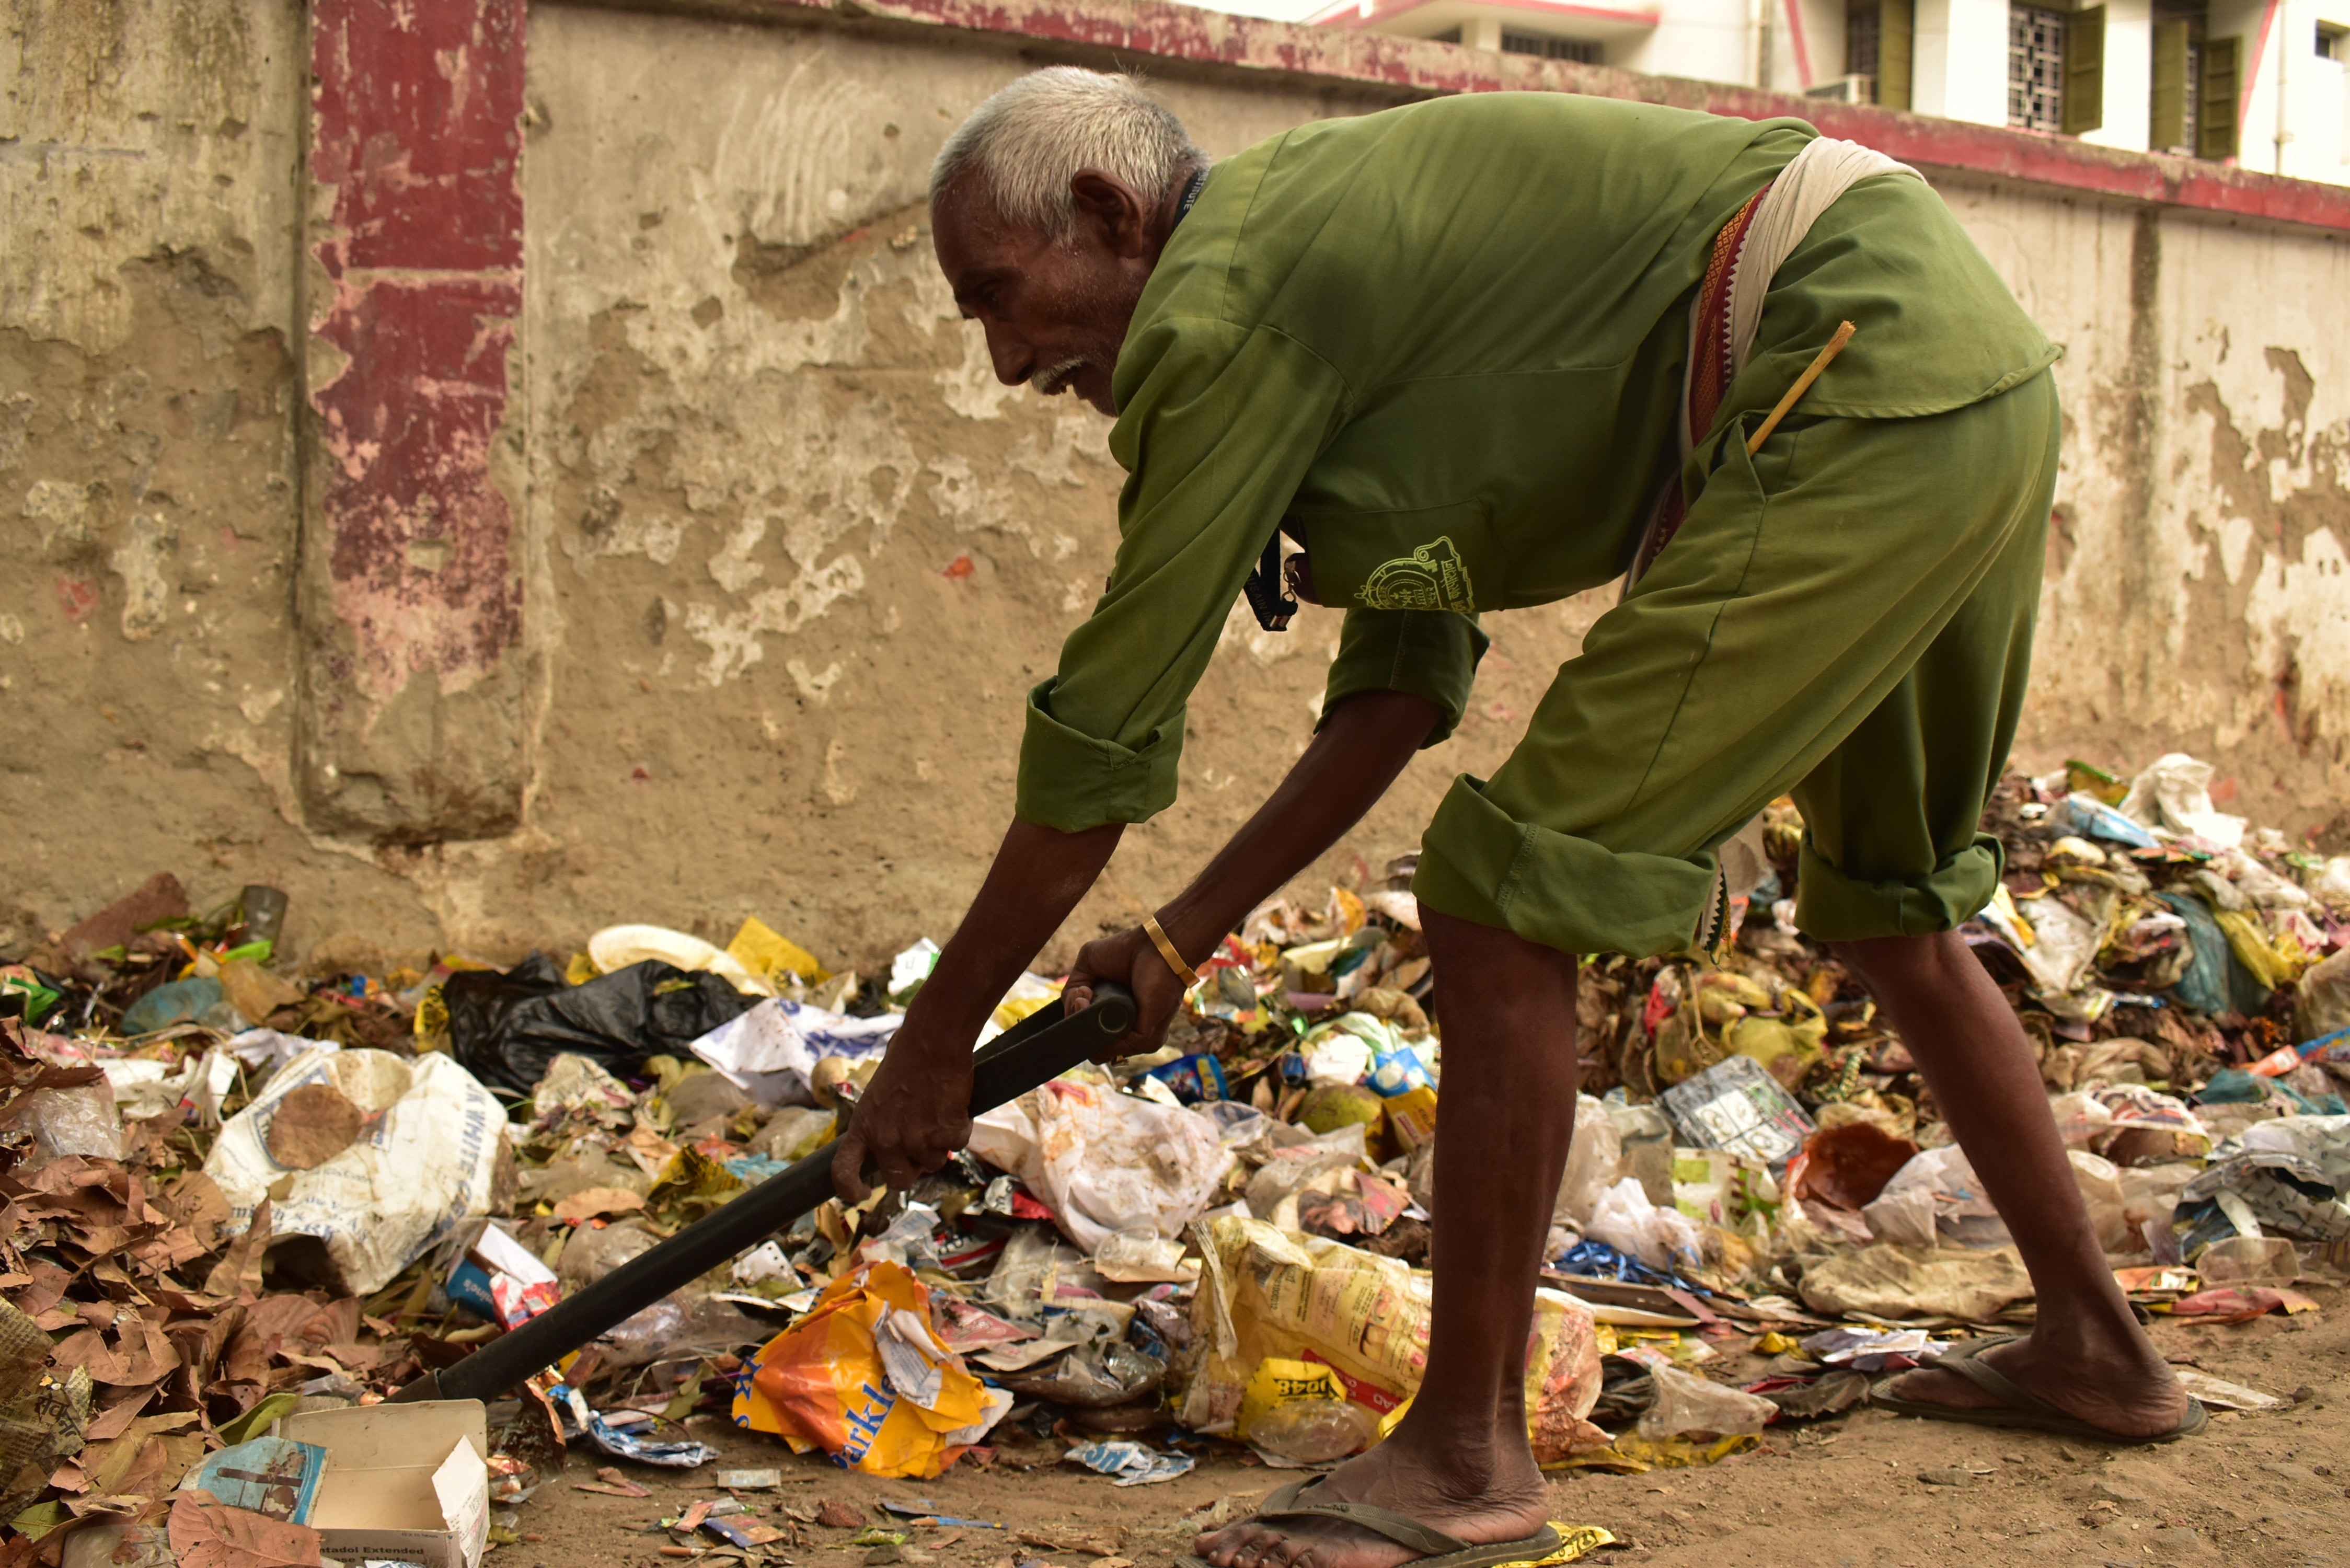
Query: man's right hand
column 914, row 1115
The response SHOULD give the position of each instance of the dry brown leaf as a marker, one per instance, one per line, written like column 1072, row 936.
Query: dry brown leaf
column 592, row 1202
column 253, row 991
column 311, row 1126
column 206, row 1533
column 238, row 1274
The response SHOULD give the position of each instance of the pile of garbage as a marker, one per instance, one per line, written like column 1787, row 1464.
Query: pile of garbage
column 241, row 1208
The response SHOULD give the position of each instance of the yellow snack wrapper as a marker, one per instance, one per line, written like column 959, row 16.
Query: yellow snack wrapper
column 1412, row 1116
column 864, row 1378
column 1271, row 1294
column 1278, row 1381
column 770, row 955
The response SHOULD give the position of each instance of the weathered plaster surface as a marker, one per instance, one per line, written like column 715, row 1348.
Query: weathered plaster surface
column 2197, row 597
column 777, row 557
column 147, row 481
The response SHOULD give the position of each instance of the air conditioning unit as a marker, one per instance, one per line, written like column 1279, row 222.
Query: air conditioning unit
column 1845, row 90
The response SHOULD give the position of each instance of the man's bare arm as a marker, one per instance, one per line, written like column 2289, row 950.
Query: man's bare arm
column 1362, row 746
column 914, row 1115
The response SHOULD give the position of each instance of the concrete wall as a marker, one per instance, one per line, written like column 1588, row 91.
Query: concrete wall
column 785, row 557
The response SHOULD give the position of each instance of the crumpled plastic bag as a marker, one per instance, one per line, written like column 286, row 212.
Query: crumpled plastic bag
column 2063, row 945
column 508, row 1028
column 2276, row 1189
column 1937, row 1200
column 1700, row 1410
column 1267, row 1294
column 425, row 1159
column 1592, row 1165
column 2320, row 1006
column 2173, row 796
column 616, row 948
column 1664, row 1238
column 2325, row 1141
column 769, row 1052
column 1106, row 1162
column 68, row 1121
column 863, row 1377
column 1290, row 1171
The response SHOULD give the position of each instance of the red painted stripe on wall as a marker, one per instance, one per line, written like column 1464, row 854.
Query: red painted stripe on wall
column 416, row 133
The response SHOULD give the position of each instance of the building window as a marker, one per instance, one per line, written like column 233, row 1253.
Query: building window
column 1877, row 52
column 2035, row 69
column 2333, row 43
column 2174, row 115
column 1862, row 32
column 1548, row 48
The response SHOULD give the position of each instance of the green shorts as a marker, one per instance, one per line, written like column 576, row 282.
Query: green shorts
column 1845, row 617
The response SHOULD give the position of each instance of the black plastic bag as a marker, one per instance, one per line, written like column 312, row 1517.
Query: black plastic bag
column 506, row 1028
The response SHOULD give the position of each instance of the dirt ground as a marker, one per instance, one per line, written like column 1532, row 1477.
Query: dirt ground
column 2258, row 1490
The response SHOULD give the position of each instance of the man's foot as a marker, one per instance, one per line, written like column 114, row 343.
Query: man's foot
column 1501, row 1498
column 2130, row 1392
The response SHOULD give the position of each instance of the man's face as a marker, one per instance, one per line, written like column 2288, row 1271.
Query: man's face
column 1055, row 309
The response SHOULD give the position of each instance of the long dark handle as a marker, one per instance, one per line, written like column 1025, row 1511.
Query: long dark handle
column 1036, row 1050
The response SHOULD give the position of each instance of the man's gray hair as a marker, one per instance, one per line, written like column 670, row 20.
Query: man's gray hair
column 1031, row 139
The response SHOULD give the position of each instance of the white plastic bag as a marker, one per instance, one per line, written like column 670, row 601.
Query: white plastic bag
column 1940, row 1183
column 1106, row 1162
column 1593, row 1165
column 424, row 1159
column 769, row 1052
column 2173, row 796
column 1288, row 1170
column 2066, row 945
column 1661, row 1238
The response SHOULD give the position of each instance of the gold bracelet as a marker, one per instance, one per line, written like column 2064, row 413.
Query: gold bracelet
column 1184, row 972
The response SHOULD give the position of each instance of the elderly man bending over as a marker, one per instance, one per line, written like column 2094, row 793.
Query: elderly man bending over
column 1483, row 353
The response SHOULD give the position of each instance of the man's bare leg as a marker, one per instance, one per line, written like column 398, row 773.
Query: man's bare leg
column 2086, row 1352
column 1458, row 1461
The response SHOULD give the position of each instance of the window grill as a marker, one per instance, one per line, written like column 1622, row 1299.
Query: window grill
column 1549, row 48
column 2035, row 69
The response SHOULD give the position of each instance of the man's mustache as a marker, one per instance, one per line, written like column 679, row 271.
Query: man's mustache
column 1054, row 378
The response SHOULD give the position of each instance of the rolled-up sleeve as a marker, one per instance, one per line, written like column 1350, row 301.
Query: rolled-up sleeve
column 1428, row 653
column 1217, row 425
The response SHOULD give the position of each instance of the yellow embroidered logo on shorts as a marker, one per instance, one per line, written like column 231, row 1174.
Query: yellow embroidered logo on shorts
column 1432, row 577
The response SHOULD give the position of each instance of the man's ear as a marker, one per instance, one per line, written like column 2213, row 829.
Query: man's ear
column 1114, row 209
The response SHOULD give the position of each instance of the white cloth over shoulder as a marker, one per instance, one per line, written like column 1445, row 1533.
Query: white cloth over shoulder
column 1824, row 170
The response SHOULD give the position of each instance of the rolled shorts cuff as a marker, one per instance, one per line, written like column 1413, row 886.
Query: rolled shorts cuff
column 1478, row 862
column 1833, row 907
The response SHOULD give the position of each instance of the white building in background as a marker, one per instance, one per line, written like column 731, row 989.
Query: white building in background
column 2253, row 82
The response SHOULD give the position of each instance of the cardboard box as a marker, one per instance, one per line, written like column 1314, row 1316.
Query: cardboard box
column 407, row 1483
column 500, row 1279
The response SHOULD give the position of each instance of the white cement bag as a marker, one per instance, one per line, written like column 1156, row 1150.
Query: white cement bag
column 423, row 1160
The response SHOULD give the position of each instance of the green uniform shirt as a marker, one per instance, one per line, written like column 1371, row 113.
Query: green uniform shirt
column 1445, row 343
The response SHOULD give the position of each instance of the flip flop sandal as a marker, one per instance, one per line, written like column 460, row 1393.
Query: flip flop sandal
column 2018, row 1406
column 1436, row 1549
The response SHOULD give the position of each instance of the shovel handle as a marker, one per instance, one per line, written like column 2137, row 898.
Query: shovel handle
column 1034, row 1050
